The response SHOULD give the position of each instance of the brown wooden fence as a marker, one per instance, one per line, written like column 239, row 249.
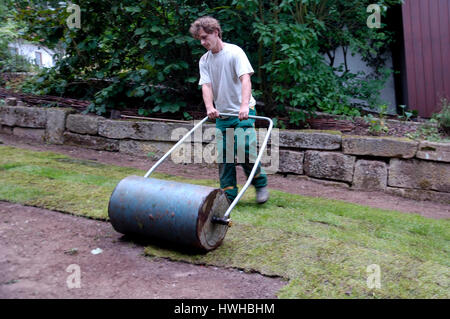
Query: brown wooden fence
column 426, row 28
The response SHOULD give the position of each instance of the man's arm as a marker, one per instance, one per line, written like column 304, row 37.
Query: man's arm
column 208, row 100
column 246, row 94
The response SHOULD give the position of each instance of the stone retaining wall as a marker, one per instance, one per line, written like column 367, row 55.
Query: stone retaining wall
column 419, row 170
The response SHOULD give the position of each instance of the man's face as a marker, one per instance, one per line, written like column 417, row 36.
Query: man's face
column 208, row 40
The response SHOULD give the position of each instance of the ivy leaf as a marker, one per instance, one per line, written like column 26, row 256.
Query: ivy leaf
column 191, row 79
column 143, row 42
column 155, row 29
column 133, row 9
column 139, row 31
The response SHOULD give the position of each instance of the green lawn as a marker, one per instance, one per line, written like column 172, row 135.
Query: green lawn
column 321, row 247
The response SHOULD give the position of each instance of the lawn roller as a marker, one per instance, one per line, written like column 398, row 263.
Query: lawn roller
column 190, row 215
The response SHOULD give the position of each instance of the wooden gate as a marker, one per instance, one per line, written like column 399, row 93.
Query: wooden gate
column 426, row 29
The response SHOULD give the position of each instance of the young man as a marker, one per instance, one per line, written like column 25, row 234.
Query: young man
column 225, row 79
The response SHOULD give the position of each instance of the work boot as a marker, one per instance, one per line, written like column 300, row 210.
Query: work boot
column 262, row 195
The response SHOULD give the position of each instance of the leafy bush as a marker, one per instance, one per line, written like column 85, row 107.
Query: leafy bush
column 139, row 53
column 427, row 131
column 9, row 31
column 14, row 63
column 437, row 129
column 294, row 37
column 377, row 125
column 443, row 117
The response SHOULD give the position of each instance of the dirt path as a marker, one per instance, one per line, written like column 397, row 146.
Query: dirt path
column 291, row 183
column 37, row 246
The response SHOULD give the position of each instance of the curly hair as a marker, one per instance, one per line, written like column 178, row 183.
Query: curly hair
column 208, row 24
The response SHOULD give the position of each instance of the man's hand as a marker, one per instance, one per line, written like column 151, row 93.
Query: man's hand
column 212, row 113
column 243, row 112
column 208, row 99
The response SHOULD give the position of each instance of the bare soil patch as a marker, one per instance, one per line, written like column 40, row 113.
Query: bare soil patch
column 37, row 246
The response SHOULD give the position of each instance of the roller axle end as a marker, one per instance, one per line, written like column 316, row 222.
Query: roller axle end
column 221, row 221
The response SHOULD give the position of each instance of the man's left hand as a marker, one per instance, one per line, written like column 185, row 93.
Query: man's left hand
column 243, row 113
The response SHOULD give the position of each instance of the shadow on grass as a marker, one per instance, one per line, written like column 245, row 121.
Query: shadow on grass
column 158, row 243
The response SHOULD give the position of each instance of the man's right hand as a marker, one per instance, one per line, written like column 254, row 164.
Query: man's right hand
column 208, row 99
column 212, row 113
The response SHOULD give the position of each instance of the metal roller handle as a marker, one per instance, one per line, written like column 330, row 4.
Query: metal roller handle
column 174, row 147
column 225, row 220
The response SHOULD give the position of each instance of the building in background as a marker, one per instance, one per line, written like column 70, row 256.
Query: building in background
column 356, row 64
column 35, row 53
column 419, row 57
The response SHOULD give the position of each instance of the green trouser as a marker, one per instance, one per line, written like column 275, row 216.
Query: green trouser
column 235, row 137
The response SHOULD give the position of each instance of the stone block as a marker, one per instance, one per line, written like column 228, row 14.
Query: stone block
column 370, row 175
column 379, row 146
column 311, row 139
column 31, row 133
column 329, row 165
column 11, row 101
column 4, row 129
column 291, row 162
column 93, row 142
column 83, row 124
column 149, row 149
column 324, row 182
column 434, row 151
column 56, row 124
column 153, row 131
column 419, row 174
column 32, row 117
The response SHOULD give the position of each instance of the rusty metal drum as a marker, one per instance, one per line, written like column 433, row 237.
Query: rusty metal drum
column 169, row 211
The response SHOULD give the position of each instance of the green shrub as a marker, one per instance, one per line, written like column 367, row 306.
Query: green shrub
column 141, row 55
column 443, row 117
column 294, row 36
column 429, row 131
column 9, row 31
column 14, row 63
column 377, row 125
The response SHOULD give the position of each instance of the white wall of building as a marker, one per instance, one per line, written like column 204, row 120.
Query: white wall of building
column 356, row 64
column 32, row 52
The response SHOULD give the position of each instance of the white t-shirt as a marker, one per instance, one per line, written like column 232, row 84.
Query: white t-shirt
column 223, row 70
